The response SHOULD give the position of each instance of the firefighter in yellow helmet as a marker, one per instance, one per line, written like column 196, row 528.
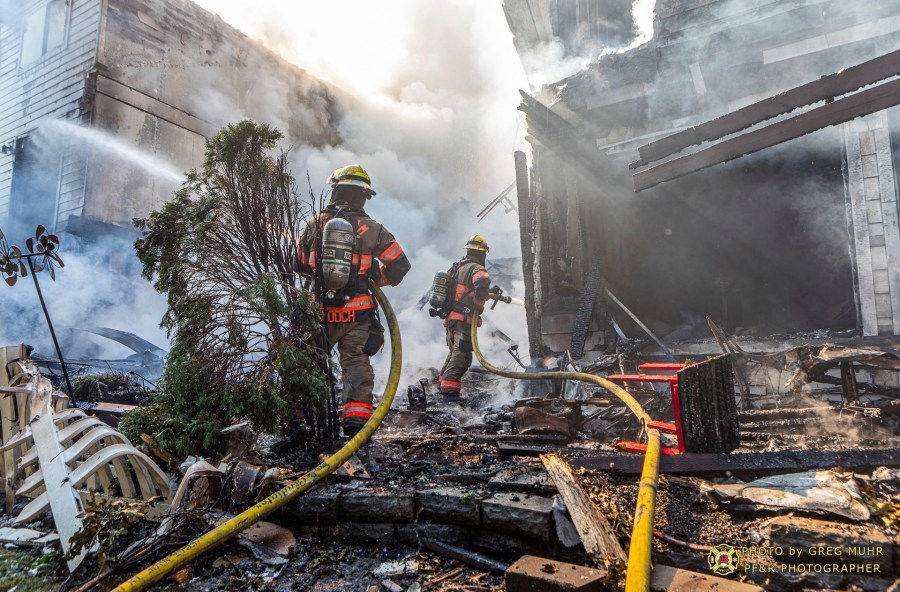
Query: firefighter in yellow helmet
column 472, row 284
column 343, row 245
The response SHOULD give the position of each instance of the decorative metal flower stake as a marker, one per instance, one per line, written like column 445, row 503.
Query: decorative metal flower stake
column 42, row 255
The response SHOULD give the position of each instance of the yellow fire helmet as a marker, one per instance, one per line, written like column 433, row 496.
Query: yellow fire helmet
column 352, row 174
column 478, row 243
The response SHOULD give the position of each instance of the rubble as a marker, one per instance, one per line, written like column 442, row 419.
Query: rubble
column 814, row 491
column 269, row 543
column 597, row 535
column 807, row 540
column 454, row 494
column 787, row 440
column 52, row 452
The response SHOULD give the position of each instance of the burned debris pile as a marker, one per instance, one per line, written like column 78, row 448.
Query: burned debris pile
column 452, row 498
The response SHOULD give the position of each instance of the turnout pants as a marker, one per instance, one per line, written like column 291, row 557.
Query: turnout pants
column 358, row 376
column 459, row 359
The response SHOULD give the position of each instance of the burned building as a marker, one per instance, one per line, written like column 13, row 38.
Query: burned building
column 106, row 102
column 739, row 165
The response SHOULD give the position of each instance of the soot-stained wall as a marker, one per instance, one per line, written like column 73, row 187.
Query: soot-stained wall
column 776, row 242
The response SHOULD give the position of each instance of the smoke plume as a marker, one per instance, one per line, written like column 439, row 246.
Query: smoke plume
column 429, row 108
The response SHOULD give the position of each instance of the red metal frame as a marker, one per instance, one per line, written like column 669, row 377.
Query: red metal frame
column 672, row 380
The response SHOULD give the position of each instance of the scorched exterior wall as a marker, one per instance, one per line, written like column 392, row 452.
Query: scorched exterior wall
column 797, row 203
column 160, row 75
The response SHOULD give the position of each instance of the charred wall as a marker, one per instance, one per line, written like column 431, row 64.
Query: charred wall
column 765, row 244
column 578, row 27
column 168, row 75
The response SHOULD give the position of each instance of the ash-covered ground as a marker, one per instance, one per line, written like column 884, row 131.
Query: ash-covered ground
column 475, row 450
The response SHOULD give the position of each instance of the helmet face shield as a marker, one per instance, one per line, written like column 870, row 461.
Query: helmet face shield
column 354, row 175
column 478, row 243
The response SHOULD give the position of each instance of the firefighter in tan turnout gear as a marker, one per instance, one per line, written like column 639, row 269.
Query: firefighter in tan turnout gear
column 342, row 247
column 467, row 285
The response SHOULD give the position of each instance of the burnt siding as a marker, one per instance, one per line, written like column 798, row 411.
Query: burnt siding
column 51, row 88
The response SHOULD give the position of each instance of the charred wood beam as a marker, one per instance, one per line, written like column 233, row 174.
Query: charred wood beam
column 552, row 130
column 596, row 533
column 808, row 439
column 870, row 100
column 786, row 413
column 508, row 449
column 792, row 422
column 849, row 389
column 812, row 421
column 825, row 88
column 526, row 236
column 747, row 462
column 875, row 389
column 479, row 562
column 586, row 300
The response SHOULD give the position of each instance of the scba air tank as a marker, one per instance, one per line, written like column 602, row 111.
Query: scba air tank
column 441, row 290
column 338, row 240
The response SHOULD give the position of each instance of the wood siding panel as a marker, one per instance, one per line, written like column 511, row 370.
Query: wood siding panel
column 49, row 89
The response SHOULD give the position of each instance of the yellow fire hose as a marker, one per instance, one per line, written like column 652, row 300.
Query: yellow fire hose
column 637, row 575
column 244, row 520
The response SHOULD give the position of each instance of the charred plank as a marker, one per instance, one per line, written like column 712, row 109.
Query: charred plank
column 870, row 100
column 827, row 87
column 748, row 462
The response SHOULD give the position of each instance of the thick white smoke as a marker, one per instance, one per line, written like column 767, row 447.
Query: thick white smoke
column 96, row 288
column 98, row 285
column 431, row 114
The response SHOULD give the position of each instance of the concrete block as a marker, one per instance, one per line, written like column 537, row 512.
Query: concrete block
column 451, row 505
column 537, row 574
column 669, row 579
column 317, row 507
column 521, row 515
column 527, row 476
column 381, row 534
column 377, row 507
